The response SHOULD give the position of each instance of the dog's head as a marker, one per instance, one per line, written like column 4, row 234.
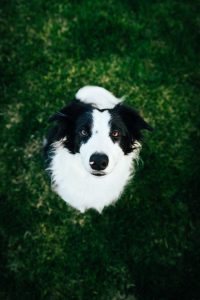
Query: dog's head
column 99, row 128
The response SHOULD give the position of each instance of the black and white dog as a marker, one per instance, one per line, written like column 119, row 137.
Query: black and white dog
column 91, row 150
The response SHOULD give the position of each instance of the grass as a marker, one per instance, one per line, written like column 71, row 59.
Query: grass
column 148, row 243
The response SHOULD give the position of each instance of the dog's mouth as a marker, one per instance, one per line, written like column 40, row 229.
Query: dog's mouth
column 98, row 173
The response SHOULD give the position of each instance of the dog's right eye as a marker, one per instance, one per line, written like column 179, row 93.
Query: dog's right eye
column 115, row 133
column 83, row 132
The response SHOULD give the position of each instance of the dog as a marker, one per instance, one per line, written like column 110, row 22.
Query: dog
column 92, row 149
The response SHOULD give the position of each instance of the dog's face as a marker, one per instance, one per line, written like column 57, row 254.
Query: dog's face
column 100, row 136
column 99, row 141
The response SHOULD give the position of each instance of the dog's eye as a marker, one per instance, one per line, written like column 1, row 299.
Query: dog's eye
column 115, row 133
column 83, row 132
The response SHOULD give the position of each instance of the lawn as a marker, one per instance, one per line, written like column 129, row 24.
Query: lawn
column 147, row 244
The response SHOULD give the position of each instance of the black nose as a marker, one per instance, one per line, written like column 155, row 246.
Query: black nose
column 98, row 161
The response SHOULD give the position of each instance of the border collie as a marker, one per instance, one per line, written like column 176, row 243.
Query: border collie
column 91, row 150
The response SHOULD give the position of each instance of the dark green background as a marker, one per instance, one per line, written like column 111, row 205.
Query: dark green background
column 148, row 243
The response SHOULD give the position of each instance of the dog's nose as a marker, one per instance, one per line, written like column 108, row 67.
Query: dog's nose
column 98, row 161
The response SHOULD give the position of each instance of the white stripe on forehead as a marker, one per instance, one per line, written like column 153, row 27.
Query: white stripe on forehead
column 101, row 122
column 97, row 97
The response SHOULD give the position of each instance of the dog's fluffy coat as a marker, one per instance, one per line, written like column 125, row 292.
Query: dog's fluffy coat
column 91, row 151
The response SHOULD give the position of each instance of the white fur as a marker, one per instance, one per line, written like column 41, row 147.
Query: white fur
column 81, row 189
column 71, row 173
column 98, row 97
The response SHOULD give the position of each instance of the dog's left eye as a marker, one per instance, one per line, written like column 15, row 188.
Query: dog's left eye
column 115, row 133
column 83, row 132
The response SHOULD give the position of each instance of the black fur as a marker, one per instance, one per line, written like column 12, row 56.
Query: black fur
column 70, row 120
column 130, row 123
column 74, row 122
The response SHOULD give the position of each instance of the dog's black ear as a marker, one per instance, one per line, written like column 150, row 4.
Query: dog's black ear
column 69, row 112
column 134, row 122
column 141, row 123
column 58, row 116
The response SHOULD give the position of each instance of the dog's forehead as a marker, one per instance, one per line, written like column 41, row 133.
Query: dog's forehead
column 98, row 119
column 101, row 119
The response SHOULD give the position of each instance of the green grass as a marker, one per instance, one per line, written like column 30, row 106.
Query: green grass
column 148, row 243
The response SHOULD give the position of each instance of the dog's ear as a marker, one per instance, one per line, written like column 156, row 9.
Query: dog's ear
column 58, row 116
column 69, row 113
column 140, row 123
column 134, row 122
